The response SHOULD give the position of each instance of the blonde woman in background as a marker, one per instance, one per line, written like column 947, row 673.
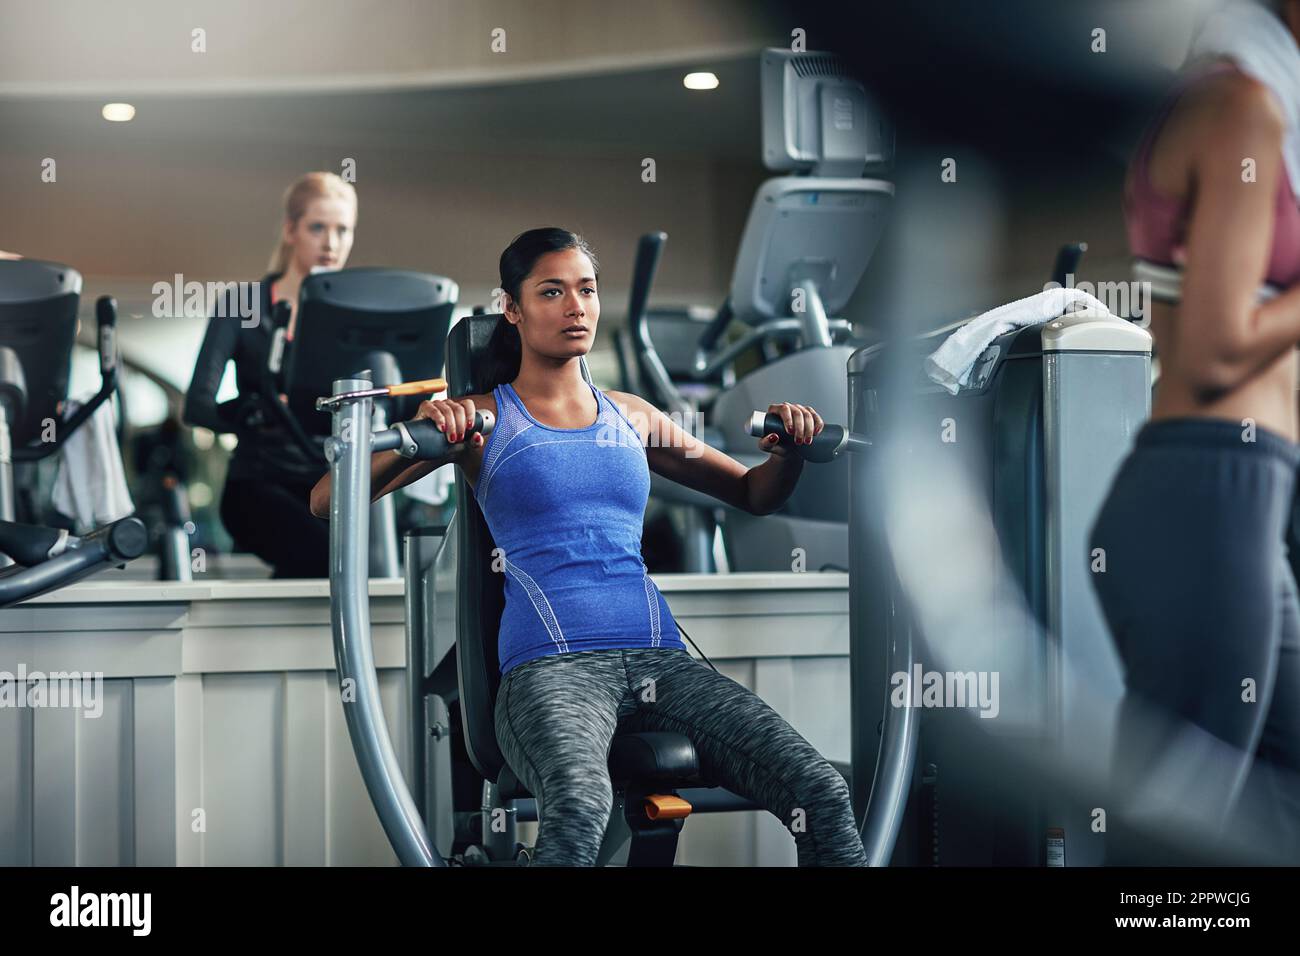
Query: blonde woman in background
column 264, row 506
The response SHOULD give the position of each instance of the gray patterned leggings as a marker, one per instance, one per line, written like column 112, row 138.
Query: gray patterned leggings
column 556, row 716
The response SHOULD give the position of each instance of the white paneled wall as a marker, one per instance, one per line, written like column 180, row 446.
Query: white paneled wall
column 222, row 739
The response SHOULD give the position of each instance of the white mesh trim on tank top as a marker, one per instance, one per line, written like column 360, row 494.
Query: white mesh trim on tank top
column 543, row 608
column 652, row 598
column 510, row 425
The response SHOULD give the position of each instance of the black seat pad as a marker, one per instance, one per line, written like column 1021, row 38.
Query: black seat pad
column 657, row 757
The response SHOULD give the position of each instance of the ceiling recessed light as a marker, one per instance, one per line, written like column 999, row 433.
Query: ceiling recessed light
column 118, row 112
column 700, row 81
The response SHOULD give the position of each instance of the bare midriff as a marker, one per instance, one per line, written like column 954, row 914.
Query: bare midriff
column 1268, row 398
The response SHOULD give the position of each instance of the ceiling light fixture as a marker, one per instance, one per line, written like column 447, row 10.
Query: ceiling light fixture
column 118, row 112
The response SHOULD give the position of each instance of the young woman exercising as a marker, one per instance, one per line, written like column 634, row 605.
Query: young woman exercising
column 264, row 504
column 587, row 643
column 1197, row 590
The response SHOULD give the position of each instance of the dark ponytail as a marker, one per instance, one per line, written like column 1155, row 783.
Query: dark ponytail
column 506, row 353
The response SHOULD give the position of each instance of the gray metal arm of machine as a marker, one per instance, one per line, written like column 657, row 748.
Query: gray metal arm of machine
column 349, row 450
column 49, row 558
column 883, row 817
column 706, row 367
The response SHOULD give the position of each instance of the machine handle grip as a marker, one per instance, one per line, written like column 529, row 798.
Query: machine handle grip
column 29, row 544
column 648, row 250
column 421, row 440
column 826, row 444
column 106, row 323
column 1067, row 262
column 716, row 327
column 281, row 313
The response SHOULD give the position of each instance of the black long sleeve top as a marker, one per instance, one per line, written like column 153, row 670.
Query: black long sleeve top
column 265, row 451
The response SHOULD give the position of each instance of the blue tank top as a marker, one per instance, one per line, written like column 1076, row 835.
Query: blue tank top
column 566, row 508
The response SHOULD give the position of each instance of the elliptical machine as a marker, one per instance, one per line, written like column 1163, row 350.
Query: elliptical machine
column 38, row 324
column 392, row 321
column 806, row 245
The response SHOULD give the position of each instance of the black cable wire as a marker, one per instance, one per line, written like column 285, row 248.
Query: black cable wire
column 697, row 648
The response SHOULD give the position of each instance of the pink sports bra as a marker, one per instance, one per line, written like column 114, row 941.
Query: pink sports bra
column 1157, row 224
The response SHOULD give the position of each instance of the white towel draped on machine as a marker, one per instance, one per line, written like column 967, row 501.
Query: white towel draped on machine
column 435, row 487
column 950, row 365
column 91, row 484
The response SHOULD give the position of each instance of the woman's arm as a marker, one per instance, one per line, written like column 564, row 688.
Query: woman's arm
column 1225, row 336
column 390, row 471
column 685, row 459
column 219, row 345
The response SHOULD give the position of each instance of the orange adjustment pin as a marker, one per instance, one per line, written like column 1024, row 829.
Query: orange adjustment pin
column 666, row 806
column 418, row 388
column 428, row 385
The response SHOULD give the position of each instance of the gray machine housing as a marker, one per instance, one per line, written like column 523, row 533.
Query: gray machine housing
column 1047, row 418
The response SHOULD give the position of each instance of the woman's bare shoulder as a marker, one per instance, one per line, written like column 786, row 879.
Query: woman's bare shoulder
column 1220, row 118
column 628, row 400
column 486, row 401
column 1235, row 105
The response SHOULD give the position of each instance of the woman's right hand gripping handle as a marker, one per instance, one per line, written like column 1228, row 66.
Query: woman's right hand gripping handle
column 433, row 438
column 458, row 422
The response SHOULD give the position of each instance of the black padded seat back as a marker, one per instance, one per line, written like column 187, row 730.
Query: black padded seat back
column 482, row 353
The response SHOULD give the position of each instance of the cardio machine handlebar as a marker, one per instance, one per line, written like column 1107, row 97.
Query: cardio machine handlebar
column 716, row 327
column 49, row 558
column 106, row 339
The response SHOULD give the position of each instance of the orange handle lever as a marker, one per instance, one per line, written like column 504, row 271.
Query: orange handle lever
column 419, row 388
column 666, row 806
